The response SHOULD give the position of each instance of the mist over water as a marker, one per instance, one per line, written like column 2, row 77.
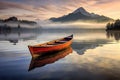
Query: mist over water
column 95, row 56
column 82, row 25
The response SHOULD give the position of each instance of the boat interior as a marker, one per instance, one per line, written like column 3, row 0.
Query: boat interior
column 55, row 42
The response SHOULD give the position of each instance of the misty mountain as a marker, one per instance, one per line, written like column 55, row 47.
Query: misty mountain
column 81, row 14
column 14, row 19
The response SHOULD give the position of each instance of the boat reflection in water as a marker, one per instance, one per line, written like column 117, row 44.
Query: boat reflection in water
column 113, row 34
column 45, row 59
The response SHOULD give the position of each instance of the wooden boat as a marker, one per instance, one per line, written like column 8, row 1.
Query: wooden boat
column 48, row 58
column 52, row 46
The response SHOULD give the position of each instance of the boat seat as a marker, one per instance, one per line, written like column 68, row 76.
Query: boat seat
column 50, row 45
column 60, row 41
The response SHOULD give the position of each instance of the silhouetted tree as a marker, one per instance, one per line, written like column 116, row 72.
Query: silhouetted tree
column 108, row 26
column 113, row 26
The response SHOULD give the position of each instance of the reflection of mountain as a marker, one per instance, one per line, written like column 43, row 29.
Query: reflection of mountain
column 83, row 15
column 113, row 34
column 48, row 58
column 81, row 47
column 13, row 35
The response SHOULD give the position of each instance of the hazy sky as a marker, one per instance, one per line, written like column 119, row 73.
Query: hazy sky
column 44, row 9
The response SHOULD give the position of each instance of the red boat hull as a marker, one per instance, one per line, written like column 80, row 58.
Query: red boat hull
column 40, row 50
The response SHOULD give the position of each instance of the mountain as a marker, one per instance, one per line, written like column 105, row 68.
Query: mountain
column 11, row 19
column 82, row 15
column 15, row 19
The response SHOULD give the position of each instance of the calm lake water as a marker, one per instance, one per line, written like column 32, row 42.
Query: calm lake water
column 95, row 55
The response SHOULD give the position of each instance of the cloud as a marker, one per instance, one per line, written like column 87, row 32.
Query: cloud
column 7, row 5
column 44, row 9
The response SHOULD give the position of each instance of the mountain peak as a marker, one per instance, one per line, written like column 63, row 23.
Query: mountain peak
column 82, row 10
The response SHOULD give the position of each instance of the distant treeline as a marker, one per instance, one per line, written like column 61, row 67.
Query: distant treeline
column 14, row 19
column 113, row 26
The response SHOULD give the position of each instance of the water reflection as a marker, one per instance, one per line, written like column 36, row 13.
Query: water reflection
column 14, row 34
column 81, row 47
column 113, row 34
column 97, row 63
column 48, row 58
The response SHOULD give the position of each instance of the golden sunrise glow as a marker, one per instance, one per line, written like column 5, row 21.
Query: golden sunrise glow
column 45, row 9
